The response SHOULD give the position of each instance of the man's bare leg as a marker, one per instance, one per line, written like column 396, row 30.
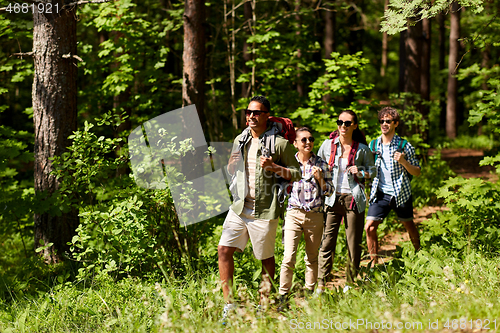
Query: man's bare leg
column 268, row 270
column 372, row 239
column 413, row 233
column 226, row 269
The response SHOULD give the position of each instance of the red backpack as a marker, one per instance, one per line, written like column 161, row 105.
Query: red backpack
column 287, row 130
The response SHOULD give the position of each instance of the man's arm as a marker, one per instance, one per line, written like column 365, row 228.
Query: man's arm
column 412, row 169
column 269, row 165
column 410, row 163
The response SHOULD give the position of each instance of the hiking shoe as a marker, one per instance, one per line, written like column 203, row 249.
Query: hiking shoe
column 259, row 311
column 318, row 292
column 282, row 303
column 225, row 312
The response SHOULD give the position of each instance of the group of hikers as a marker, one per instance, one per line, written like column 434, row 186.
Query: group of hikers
column 326, row 188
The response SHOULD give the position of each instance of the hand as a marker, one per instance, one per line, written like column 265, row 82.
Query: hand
column 235, row 158
column 400, row 157
column 317, row 173
column 353, row 170
column 266, row 163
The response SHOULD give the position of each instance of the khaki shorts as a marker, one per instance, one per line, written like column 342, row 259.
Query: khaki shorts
column 237, row 229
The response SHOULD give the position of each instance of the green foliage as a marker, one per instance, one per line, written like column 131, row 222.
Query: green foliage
column 342, row 85
column 471, row 221
column 403, row 13
column 432, row 285
column 481, row 142
column 283, row 45
column 425, row 187
column 126, row 62
column 123, row 229
column 16, row 195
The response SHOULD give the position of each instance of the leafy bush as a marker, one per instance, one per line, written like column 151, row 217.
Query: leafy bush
column 16, row 196
column 472, row 219
column 425, row 187
column 123, row 228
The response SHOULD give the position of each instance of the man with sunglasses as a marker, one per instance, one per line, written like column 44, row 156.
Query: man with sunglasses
column 259, row 156
column 391, row 186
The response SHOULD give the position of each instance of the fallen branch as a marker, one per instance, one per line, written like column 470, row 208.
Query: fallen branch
column 74, row 56
column 23, row 54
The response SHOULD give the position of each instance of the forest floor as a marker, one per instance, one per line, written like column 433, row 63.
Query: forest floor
column 464, row 162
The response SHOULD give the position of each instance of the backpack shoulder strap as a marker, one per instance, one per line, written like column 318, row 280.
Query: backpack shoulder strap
column 373, row 148
column 402, row 144
column 352, row 153
column 333, row 152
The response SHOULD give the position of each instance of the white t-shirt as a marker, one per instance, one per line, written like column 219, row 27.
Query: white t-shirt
column 342, row 180
column 385, row 179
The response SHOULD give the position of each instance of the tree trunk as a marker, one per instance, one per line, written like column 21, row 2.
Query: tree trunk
column 231, row 45
column 402, row 60
column 329, row 40
column 246, row 87
column 413, row 52
column 451, row 106
column 193, row 57
column 442, row 55
column 300, row 85
column 193, row 83
column 54, row 114
column 425, row 73
column 330, row 29
column 384, row 46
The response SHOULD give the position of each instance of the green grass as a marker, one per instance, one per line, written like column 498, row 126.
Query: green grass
column 481, row 142
column 431, row 285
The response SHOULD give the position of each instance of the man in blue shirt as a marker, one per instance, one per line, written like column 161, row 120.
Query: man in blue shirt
column 391, row 186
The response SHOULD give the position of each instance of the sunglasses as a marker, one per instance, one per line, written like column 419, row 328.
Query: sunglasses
column 345, row 123
column 256, row 113
column 304, row 140
column 387, row 121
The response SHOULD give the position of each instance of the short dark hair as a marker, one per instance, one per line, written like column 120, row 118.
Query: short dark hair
column 389, row 111
column 303, row 129
column 262, row 100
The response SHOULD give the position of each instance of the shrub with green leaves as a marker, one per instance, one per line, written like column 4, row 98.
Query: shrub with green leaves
column 123, row 228
column 472, row 219
column 338, row 89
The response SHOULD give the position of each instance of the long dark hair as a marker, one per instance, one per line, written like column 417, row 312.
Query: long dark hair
column 357, row 135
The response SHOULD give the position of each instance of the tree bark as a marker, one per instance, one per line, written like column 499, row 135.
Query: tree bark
column 384, row 46
column 329, row 40
column 54, row 114
column 193, row 57
column 451, row 106
column 300, row 85
column 402, row 60
column 330, row 30
column 425, row 73
column 441, row 61
column 246, row 87
column 413, row 52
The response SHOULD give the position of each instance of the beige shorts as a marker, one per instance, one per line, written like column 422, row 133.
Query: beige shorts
column 237, row 229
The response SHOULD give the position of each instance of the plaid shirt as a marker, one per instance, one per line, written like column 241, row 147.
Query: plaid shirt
column 306, row 193
column 399, row 176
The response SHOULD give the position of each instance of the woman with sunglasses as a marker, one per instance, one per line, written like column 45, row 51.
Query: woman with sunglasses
column 350, row 160
column 305, row 214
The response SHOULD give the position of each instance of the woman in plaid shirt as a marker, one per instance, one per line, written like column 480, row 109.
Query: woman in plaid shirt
column 305, row 214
